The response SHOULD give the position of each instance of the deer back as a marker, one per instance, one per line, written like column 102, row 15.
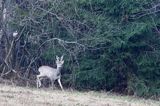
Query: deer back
column 49, row 72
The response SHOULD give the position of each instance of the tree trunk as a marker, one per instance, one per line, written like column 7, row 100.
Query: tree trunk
column 7, row 40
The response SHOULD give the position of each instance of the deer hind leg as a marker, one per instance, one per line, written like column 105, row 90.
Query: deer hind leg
column 59, row 81
column 38, row 81
column 52, row 84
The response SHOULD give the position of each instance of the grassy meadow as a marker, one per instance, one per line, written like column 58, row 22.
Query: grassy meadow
column 24, row 96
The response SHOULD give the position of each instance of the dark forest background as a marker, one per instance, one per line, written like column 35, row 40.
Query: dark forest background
column 111, row 45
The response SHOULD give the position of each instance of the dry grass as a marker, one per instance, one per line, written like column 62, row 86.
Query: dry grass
column 20, row 96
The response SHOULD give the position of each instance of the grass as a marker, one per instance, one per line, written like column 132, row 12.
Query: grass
column 24, row 96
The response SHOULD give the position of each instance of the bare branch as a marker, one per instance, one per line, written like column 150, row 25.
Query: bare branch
column 150, row 11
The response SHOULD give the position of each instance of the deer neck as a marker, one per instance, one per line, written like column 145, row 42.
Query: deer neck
column 59, row 69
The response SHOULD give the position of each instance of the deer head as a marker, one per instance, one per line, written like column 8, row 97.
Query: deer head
column 59, row 61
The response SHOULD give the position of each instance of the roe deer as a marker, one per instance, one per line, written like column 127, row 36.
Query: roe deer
column 51, row 73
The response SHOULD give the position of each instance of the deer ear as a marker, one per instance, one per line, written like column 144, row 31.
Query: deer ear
column 61, row 57
column 57, row 57
column 62, row 61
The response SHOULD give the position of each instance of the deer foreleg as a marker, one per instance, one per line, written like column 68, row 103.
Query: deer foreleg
column 59, row 81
